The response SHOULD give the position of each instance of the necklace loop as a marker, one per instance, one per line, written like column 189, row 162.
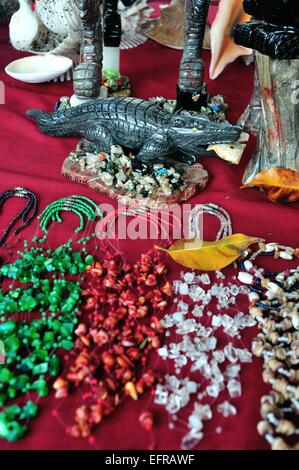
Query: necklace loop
column 26, row 214
column 197, row 213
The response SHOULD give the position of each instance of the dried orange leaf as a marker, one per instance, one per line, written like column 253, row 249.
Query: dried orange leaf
column 209, row 256
column 280, row 184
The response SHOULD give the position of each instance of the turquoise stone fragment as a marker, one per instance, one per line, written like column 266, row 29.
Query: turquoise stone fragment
column 11, row 412
column 41, row 354
column 11, row 344
column 49, row 337
column 54, row 366
column 27, row 303
column 29, row 410
column 12, row 392
column 41, row 368
column 40, row 387
column 67, row 345
column 73, row 270
column 77, row 257
column 21, row 381
column 13, row 431
column 31, row 340
column 67, row 329
column 7, row 327
column 49, row 265
column 15, row 294
column 89, row 259
column 5, row 374
column 12, row 272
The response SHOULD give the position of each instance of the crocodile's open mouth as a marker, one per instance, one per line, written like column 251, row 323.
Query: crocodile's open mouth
column 205, row 137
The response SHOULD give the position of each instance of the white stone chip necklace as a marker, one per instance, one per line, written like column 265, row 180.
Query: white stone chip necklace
column 216, row 368
column 199, row 349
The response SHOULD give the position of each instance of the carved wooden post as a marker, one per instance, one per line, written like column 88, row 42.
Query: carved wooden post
column 278, row 141
column 191, row 90
column 88, row 74
column 251, row 117
column 274, row 34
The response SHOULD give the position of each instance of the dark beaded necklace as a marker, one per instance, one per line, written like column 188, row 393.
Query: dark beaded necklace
column 26, row 214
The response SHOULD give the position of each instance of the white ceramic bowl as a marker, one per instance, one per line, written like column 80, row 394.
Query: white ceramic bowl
column 39, row 68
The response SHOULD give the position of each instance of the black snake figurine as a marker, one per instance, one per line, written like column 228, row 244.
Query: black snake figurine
column 274, row 29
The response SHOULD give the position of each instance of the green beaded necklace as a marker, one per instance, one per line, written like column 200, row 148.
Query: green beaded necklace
column 79, row 205
column 30, row 345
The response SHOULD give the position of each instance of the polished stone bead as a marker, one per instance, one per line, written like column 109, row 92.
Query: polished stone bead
column 54, row 366
column 5, row 374
column 66, row 329
column 67, row 345
column 15, row 294
column 28, row 303
column 21, row 381
column 89, row 259
column 7, row 327
column 73, row 270
column 11, row 412
column 41, row 354
column 48, row 337
column 40, row 368
column 11, row 344
column 11, row 392
column 40, row 387
column 77, row 257
column 29, row 410
column 10, row 430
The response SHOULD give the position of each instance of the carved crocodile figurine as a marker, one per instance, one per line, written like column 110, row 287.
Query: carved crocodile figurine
column 140, row 126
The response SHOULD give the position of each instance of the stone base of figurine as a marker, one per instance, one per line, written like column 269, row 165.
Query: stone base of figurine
column 157, row 186
column 215, row 108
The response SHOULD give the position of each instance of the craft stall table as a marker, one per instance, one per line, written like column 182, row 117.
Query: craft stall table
column 30, row 159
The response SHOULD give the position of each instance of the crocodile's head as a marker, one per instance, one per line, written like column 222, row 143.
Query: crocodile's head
column 190, row 132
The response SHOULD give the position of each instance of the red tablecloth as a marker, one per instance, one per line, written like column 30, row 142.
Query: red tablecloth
column 31, row 159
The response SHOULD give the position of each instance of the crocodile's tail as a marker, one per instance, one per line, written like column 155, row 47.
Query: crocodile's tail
column 56, row 124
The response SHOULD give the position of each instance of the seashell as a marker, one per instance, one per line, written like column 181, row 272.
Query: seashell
column 244, row 277
column 168, row 29
column 273, row 287
column 295, row 320
column 248, row 265
column 285, row 255
column 253, row 296
column 270, row 247
column 55, row 27
column 132, row 16
column 39, row 69
column 223, row 48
